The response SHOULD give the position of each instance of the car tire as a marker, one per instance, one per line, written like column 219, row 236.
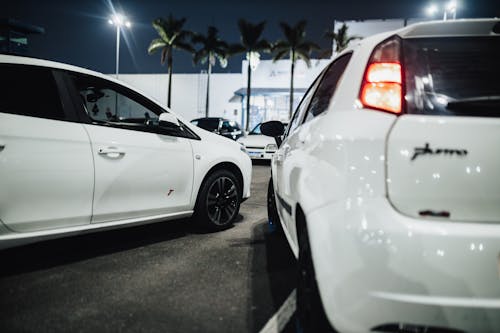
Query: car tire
column 273, row 218
column 311, row 315
column 218, row 201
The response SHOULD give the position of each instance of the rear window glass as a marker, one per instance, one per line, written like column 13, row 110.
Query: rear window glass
column 29, row 91
column 452, row 76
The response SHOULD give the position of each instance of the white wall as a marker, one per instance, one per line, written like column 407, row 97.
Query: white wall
column 189, row 92
column 270, row 74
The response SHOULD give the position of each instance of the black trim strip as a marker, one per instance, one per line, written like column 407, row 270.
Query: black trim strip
column 286, row 206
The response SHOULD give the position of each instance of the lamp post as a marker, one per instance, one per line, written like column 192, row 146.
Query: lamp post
column 118, row 20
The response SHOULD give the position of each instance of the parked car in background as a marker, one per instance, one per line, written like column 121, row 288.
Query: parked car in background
column 81, row 152
column 225, row 127
column 257, row 145
column 387, row 184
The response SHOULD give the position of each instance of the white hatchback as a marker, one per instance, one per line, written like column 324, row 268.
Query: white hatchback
column 80, row 152
column 258, row 146
column 387, row 184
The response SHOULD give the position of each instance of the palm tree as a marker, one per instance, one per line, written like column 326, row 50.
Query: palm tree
column 296, row 46
column 339, row 38
column 172, row 36
column 212, row 48
column 251, row 44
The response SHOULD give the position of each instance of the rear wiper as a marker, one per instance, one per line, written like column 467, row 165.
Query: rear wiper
column 487, row 106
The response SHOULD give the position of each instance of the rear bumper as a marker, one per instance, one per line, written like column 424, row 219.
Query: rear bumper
column 376, row 267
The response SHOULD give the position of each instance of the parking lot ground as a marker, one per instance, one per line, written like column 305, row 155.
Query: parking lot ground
column 163, row 277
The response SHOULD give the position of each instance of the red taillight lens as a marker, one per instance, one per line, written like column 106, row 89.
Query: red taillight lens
column 384, row 96
column 384, row 72
column 382, row 84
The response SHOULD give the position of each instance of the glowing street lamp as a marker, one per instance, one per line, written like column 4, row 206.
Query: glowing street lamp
column 432, row 10
column 119, row 21
column 449, row 8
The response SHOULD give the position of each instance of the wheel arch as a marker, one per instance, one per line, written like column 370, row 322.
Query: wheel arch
column 225, row 166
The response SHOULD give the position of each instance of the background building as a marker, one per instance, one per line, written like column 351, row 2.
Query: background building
column 270, row 90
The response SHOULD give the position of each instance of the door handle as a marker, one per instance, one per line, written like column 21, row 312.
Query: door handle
column 113, row 152
column 2, row 146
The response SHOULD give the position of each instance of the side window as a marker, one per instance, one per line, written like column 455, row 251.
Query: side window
column 106, row 102
column 302, row 108
column 326, row 89
column 30, row 91
column 230, row 126
column 226, row 126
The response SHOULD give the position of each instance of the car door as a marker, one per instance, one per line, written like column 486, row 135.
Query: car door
column 46, row 168
column 281, row 168
column 142, row 169
column 295, row 152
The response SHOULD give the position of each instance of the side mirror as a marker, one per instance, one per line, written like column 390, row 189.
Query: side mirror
column 168, row 120
column 274, row 129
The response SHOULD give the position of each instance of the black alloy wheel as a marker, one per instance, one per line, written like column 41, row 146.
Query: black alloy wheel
column 311, row 317
column 219, row 200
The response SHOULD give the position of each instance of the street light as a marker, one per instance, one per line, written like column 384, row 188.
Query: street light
column 118, row 20
column 449, row 8
column 431, row 10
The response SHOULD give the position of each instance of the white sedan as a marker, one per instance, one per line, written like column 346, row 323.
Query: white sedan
column 81, row 152
column 258, row 146
column 387, row 184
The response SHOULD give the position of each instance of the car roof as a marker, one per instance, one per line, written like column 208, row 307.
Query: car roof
column 429, row 29
column 452, row 28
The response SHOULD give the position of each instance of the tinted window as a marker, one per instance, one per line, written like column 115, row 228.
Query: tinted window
column 452, row 76
column 230, row 126
column 298, row 116
column 327, row 87
column 108, row 103
column 29, row 91
column 209, row 124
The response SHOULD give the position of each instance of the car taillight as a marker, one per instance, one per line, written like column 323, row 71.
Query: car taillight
column 382, row 83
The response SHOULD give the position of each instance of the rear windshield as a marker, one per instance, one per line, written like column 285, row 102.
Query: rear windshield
column 453, row 76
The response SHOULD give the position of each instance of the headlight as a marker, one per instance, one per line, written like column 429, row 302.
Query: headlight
column 271, row 147
column 242, row 147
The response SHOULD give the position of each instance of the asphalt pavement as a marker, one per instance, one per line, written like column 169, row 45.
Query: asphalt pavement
column 162, row 277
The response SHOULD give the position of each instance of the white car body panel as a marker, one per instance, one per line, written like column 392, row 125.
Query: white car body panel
column 51, row 162
column 461, row 180
column 150, row 174
column 377, row 261
column 131, row 186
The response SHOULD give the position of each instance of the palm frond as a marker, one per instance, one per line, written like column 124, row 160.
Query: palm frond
column 159, row 25
column 280, row 55
column 156, row 44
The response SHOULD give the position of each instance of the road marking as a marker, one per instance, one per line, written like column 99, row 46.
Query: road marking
column 281, row 318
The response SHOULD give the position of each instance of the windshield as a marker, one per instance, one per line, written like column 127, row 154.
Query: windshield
column 255, row 131
column 443, row 72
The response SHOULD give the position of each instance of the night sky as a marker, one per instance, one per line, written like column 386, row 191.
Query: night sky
column 77, row 32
